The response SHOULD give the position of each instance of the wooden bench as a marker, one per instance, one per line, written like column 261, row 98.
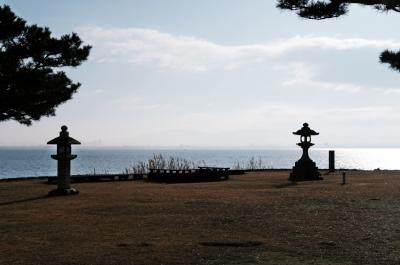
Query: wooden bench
column 188, row 175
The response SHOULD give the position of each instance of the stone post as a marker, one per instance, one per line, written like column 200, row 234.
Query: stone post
column 331, row 161
column 343, row 178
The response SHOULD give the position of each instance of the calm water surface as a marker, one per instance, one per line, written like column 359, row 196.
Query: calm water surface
column 24, row 162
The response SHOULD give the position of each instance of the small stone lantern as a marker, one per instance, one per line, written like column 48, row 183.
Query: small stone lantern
column 305, row 168
column 63, row 158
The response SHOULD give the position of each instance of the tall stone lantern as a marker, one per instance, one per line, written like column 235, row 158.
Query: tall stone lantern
column 63, row 158
column 305, row 168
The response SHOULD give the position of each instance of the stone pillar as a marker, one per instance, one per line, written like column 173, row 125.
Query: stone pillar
column 64, row 174
column 331, row 161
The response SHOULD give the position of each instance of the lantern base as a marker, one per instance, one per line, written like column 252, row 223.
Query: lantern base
column 63, row 192
column 305, row 170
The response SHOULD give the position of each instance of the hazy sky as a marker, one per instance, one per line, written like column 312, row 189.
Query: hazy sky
column 219, row 73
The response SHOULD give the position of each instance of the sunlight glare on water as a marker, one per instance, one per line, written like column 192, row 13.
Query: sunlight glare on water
column 368, row 158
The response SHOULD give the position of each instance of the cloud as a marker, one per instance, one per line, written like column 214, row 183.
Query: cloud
column 280, row 116
column 392, row 92
column 188, row 53
column 304, row 75
column 134, row 104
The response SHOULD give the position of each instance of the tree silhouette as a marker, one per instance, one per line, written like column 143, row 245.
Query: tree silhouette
column 319, row 10
column 30, row 86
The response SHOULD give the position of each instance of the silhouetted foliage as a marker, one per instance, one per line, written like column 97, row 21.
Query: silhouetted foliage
column 29, row 85
column 318, row 10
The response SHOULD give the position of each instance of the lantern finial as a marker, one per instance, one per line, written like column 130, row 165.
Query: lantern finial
column 64, row 131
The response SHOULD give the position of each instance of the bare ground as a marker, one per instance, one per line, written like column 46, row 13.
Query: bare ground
column 257, row 218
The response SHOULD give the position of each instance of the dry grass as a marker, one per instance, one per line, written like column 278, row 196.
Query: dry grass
column 159, row 161
column 257, row 218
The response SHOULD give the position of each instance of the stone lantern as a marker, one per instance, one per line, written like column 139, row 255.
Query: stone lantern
column 305, row 168
column 63, row 158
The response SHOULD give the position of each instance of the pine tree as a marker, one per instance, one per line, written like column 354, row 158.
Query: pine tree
column 319, row 10
column 30, row 85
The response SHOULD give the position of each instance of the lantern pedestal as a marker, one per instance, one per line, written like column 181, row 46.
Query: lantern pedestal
column 305, row 170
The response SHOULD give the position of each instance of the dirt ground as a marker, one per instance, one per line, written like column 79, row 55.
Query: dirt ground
column 256, row 218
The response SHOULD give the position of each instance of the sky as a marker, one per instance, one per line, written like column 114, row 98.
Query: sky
column 219, row 74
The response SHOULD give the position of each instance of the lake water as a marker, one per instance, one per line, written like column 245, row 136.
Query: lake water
column 25, row 162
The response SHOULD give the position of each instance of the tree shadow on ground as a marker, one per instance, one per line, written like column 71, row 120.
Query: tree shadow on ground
column 285, row 185
column 24, row 200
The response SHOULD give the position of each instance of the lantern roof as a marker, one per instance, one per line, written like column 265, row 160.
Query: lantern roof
column 64, row 137
column 305, row 131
